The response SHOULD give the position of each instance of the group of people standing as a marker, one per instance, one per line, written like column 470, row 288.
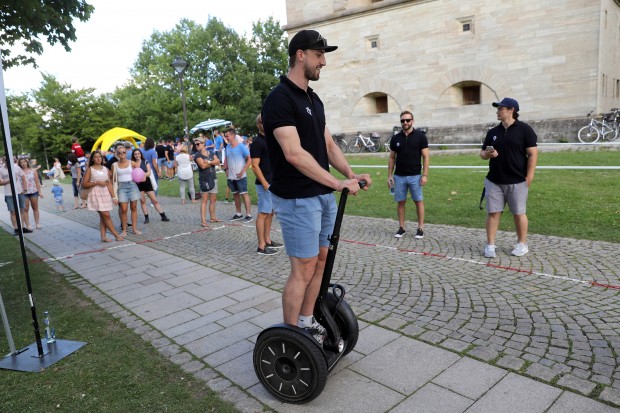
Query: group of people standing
column 28, row 190
column 121, row 182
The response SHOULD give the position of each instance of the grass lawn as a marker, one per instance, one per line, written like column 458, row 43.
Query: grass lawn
column 568, row 203
column 117, row 371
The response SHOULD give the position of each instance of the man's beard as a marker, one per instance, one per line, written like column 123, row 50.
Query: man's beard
column 311, row 73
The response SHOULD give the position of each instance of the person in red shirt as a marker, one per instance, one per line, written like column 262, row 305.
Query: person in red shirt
column 76, row 148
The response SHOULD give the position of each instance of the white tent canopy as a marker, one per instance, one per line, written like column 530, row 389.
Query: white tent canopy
column 210, row 124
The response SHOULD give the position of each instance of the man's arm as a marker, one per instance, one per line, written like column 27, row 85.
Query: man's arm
column 288, row 139
column 532, row 159
column 248, row 163
column 259, row 173
column 426, row 161
column 391, row 163
column 153, row 161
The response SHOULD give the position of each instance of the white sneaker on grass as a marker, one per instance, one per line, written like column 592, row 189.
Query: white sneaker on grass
column 519, row 250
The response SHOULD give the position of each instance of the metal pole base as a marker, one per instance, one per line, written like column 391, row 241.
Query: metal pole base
column 28, row 359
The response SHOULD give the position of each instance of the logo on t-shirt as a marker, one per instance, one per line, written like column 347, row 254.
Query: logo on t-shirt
column 309, row 111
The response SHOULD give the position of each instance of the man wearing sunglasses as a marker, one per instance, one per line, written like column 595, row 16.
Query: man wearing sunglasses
column 300, row 149
column 410, row 155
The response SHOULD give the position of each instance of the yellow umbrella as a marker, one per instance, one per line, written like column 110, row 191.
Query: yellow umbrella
column 117, row 134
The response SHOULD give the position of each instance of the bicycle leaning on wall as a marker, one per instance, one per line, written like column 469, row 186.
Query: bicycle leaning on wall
column 372, row 143
column 339, row 140
column 606, row 128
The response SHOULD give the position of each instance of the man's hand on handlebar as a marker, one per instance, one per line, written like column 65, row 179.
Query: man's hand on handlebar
column 353, row 185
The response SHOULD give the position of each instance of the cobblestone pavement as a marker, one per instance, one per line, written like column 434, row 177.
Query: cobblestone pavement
column 553, row 314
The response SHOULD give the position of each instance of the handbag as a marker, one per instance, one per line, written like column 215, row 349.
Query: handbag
column 114, row 181
column 153, row 181
column 84, row 193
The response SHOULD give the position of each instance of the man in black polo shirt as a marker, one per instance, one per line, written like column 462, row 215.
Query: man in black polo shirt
column 300, row 149
column 511, row 148
column 262, row 170
column 408, row 149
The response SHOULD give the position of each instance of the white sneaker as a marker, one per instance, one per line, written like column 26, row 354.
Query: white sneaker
column 520, row 249
column 489, row 251
column 318, row 331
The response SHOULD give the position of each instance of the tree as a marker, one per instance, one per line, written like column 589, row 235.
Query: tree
column 23, row 21
column 24, row 122
column 228, row 77
column 65, row 113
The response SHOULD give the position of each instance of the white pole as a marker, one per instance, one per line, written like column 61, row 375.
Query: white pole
column 7, row 328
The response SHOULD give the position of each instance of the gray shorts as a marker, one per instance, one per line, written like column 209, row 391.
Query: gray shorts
column 515, row 195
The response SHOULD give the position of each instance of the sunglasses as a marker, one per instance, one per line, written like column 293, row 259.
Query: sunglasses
column 197, row 143
column 406, row 120
column 121, row 153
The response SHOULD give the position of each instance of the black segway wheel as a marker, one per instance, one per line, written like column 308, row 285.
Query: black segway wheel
column 290, row 365
column 346, row 320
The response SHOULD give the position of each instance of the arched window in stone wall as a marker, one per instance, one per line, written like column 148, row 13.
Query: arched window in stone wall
column 375, row 103
column 469, row 92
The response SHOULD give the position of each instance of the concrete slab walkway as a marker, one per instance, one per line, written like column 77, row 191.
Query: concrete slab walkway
column 201, row 296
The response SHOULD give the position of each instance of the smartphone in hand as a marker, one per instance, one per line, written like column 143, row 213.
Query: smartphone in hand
column 490, row 149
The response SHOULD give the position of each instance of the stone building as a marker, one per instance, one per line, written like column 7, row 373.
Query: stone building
column 447, row 60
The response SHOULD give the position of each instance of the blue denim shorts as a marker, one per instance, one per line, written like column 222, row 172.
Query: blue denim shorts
column 265, row 204
column 306, row 223
column 238, row 185
column 128, row 191
column 21, row 200
column 404, row 184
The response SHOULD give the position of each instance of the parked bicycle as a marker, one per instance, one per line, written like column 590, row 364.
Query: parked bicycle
column 339, row 140
column 606, row 128
column 371, row 143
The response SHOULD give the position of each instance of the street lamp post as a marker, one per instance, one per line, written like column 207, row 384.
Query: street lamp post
column 42, row 128
column 180, row 65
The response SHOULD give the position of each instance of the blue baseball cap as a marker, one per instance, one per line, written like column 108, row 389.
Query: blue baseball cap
column 509, row 103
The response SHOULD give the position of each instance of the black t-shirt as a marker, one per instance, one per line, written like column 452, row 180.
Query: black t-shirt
column 288, row 105
column 510, row 167
column 170, row 151
column 408, row 152
column 258, row 149
column 111, row 162
column 161, row 151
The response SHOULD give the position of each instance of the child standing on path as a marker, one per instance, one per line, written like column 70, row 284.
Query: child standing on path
column 57, row 192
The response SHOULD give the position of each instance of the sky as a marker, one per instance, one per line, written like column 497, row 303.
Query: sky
column 109, row 42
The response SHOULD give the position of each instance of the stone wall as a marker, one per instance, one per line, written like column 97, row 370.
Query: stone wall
column 548, row 131
column 544, row 54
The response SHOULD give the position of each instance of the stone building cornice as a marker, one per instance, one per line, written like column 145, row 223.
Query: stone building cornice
column 293, row 26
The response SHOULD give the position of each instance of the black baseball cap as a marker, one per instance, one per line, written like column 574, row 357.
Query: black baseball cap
column 309, row 39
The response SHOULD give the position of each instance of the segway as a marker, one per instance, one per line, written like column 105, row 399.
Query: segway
column 288, row 360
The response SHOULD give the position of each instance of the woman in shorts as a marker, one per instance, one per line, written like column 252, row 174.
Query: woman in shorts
column 33, row 192
column 146, row 188
column 128, row 192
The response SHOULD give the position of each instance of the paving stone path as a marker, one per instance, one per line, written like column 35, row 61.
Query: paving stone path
column 553, row 314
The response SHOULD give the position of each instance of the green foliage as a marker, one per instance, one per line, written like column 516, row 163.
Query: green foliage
column 66, row 113
column 24, row 21
column 25, row 122
column 229, row 76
